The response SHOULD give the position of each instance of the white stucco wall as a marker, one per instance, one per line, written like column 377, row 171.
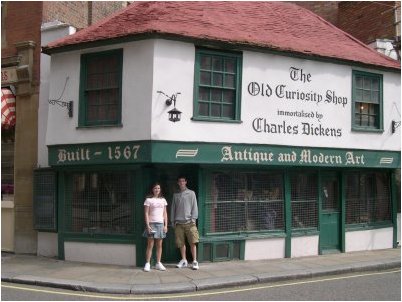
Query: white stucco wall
column 368, row 240
column 272, row 248
column 49, row 32
column 304, row 246
column 153, row 65
column 119, row 254
column 136, row 96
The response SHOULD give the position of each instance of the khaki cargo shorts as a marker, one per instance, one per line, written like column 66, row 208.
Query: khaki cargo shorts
column 183, row 231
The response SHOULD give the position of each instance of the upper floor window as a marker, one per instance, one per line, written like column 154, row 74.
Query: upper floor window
column 367, row 101
column 100, row 89
column 217, row 85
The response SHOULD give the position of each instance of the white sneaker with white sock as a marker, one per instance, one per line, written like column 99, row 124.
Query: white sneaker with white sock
column 182, row 263
column 159, row 266
column 147, row 267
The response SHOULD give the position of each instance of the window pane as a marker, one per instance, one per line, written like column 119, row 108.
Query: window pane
column 367, row 83
column 216, row 95
column 375, row 84
column 375, row 97
column 205, row 78
column 229, row 81
column 218, row 79
column 215, row 110
column 359, row 95
column 206, row 62
column 227, row 111
column 304, row 200
column 228, row 96
column 203, row 94
column 367, row 96
column 359, row 82
column 230, row 65
column 203, row 109
column 217, row 64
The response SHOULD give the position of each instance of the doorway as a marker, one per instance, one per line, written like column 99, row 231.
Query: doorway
column 330, row 235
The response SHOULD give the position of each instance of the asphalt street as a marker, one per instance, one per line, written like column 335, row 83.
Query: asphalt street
column 367, row 286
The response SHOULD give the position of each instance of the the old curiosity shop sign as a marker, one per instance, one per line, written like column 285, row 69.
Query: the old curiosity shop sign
column 283, row 92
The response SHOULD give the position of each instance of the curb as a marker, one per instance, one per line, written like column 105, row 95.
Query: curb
column 197, row 285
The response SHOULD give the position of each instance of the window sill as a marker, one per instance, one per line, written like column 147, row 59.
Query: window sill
column 202, row 119
column 365, row 129
column 100, row 126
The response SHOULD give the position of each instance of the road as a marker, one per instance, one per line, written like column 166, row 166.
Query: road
column 367, row 286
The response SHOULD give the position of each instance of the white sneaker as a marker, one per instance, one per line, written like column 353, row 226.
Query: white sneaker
column 195, row 265
column 147, row 267
column 159, row 266
column 182, row 263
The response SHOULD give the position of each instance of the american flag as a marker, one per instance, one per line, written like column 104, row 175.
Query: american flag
column 8, row 117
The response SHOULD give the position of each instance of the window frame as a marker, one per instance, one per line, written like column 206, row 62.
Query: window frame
column 379, row 77
column 83, row 100
column 238, row 57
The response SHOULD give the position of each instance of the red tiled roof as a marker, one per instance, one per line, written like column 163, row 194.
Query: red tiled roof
column 274, row 25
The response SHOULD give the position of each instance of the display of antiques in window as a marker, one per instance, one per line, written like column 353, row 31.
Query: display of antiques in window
column 368, row 198
column 100, row 203
column 243, row 201
column 304, row 200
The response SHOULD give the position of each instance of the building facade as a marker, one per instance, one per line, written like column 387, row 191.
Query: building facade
column 290, row 146
column 23, row 77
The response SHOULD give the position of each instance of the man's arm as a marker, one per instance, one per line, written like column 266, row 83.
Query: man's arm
column 173, row 210
column 194, row 208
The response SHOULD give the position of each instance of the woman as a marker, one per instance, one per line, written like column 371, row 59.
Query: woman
column 156, row 225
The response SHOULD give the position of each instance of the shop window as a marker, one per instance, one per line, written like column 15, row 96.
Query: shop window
column 367, row 101
column 44, row 200
column 217, row 86
column 100, row 203
column 304, row 200
column 367, row 198
column 244, row 202
column 101, row 88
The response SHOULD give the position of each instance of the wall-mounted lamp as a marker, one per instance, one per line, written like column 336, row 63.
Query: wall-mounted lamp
column 395, row 125
column 69, row 104
column 174, row 114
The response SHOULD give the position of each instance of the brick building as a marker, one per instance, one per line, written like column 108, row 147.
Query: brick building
column 372, row 22
column 21, row 59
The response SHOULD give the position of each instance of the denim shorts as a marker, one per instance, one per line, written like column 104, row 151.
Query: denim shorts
column 158, row 228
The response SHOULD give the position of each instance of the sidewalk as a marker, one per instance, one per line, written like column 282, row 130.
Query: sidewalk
column 115, row 279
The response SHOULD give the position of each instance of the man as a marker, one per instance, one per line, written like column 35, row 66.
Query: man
column 184, row 213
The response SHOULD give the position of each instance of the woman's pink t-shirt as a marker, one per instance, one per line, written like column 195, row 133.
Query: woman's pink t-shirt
column 156, row 206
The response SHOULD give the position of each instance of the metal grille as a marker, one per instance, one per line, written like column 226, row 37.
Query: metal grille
column 239, row 201
column 367, row 197
column 101, row 203
column 44, row 200
column 304, row 200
